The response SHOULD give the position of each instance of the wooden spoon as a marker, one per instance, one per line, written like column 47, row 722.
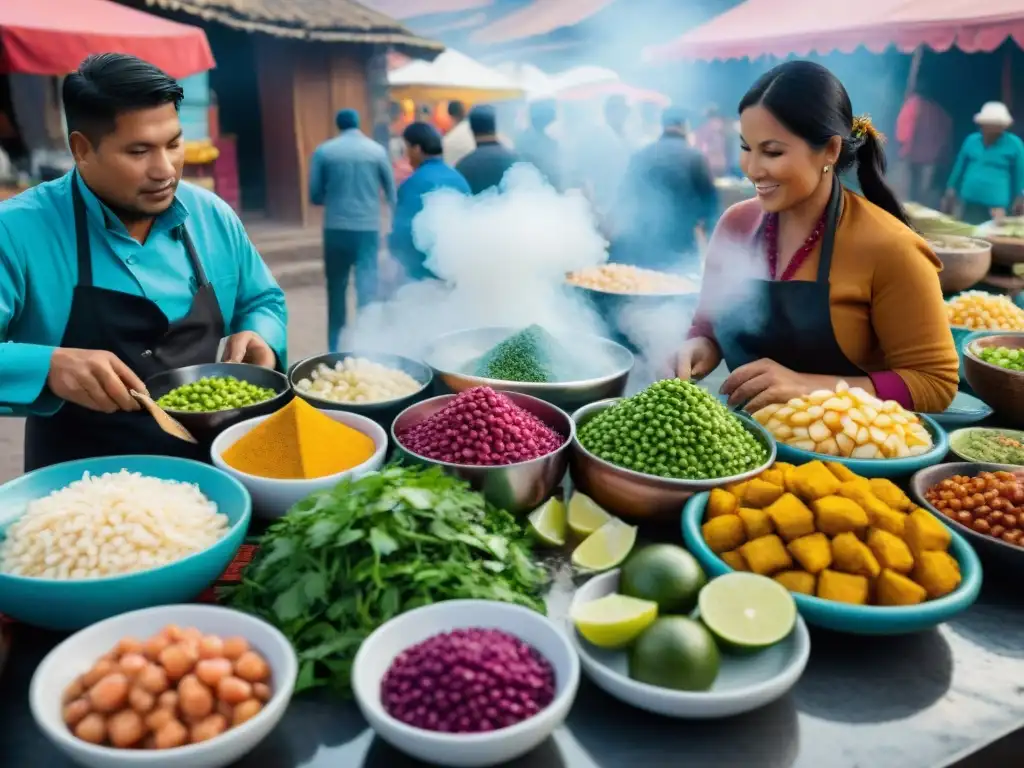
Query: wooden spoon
column 164, row 420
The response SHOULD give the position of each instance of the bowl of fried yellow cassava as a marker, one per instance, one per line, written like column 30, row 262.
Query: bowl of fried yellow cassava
column 858, row 555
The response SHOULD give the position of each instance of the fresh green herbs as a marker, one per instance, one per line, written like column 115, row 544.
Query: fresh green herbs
column 342, row 562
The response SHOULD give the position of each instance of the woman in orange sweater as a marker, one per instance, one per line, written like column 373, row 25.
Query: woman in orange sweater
column 811, row 283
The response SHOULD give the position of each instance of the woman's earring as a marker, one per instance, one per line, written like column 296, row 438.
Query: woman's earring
column 826, row 169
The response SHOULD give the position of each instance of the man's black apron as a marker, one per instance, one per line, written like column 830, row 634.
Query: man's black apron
column 796, row 330
column 139, row 333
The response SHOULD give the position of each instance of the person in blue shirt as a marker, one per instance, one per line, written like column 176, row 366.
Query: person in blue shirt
column 485, row 166
column 118, row 271
column 988, row 176
column 424, row 149
column 348, row 175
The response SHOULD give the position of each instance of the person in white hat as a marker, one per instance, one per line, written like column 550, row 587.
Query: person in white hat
column 988, row 177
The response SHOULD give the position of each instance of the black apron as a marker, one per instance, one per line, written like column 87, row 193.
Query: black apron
column 139, row 333
column 796, row 331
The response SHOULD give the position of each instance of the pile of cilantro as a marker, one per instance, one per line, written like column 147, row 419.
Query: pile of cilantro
column 344, row 561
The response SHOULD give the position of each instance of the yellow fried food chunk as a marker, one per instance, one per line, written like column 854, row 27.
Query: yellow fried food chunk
column 811, row 481
column 937, row 572
column 791, row 516
column 843, row 587
column 890, row 550
column 842, row 472
column 737, row 489
column 721, row 502
column 724, row 533
column 851, row 555
column 895, row 589
column 760, row 493
column 924, row 533
column 774, row 475
column 735, row 560
column 797, row 581
column 813, row 552
column 860, row 491
column 766, row 555
column 756, row 522
column 891, row 494
column 837, row 514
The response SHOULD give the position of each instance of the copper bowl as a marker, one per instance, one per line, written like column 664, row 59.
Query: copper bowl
column 1001, row 388
column 965, row 261
column 1007, row 250
column 636, row 495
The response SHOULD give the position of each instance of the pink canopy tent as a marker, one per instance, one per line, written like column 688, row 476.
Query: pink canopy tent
column 770, row 28
column 603, row 90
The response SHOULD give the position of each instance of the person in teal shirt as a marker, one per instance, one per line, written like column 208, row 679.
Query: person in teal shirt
column 988, row 176
column 119, row 271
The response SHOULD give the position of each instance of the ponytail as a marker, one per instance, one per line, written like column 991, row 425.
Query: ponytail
column 870, row 160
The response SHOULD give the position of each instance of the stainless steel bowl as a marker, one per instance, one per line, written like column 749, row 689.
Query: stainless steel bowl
column 450, row 355
column 382, row 412
column 992, row 551
column 206, row 426
column 619, row 311
column 517, row 488
column 637, row 495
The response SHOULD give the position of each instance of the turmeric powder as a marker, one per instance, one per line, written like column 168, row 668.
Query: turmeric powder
column 299, row 443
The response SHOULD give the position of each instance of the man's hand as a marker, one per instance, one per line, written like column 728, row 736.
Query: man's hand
column 248, row 347
column 764, row 382
column 997, row 214
column 93, row 379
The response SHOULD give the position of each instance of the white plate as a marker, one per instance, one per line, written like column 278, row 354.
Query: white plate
column 744, row 683
column 468, row 750
column 76, row 655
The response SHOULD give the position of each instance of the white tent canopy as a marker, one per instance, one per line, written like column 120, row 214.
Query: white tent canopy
column 451, row 75
column 585, row 75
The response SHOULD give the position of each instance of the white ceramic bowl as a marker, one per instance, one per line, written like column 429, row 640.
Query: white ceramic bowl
column 272, row 498
column 78, row 653
column 464, row 750
column 744, row 683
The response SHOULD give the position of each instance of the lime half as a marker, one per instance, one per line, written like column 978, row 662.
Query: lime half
column 746, row 611
column 606, row 547
column 547, row 522
column 614, row 621
column 585, row 516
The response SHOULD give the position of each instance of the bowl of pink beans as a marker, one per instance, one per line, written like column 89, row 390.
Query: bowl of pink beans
column 510, row 447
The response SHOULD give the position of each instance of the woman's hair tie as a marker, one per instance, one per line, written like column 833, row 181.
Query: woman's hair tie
column 863, row 129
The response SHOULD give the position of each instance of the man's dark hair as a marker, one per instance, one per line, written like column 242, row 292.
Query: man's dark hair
column 424, row 136
column 673, row 117
column 543, row 113
column 456, row 110
column 483, row 121
column 346, row 119
column 108, row 84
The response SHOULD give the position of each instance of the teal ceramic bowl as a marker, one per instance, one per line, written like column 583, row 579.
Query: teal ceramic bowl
column 855, row 619
column 964, row 336
column 890, row 468
column 76, row 603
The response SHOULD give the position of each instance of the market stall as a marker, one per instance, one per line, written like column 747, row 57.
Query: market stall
column 451, row 76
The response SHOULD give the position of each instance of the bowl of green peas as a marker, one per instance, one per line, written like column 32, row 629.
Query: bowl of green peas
column 209, row 398
column 994, row 367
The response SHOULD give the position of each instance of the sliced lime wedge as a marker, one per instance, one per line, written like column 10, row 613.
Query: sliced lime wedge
column 547, row 522
column 585, row 516
column 606, row 547
column 614, row 621
column 746, row 611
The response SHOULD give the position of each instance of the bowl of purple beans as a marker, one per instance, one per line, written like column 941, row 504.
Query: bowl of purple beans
column 512, row 448
column 466, row 683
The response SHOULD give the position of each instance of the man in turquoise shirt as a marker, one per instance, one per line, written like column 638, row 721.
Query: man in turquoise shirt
column 988, row 177
column 117, row 272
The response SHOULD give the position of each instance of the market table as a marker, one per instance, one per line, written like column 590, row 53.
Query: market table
column 919, row 701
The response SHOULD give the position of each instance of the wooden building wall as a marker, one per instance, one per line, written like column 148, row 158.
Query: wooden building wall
column 302, row 86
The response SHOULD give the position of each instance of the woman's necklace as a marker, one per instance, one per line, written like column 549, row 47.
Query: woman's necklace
column 771, row 237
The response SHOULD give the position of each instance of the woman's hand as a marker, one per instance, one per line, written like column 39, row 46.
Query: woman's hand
column 697, row 358
column 764, row 382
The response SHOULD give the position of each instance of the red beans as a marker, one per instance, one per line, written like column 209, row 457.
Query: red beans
column 481, row 427
column 991, row 504
column 468, row 681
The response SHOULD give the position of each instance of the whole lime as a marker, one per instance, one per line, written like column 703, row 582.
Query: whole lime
column 665, row 574
column 675, row 652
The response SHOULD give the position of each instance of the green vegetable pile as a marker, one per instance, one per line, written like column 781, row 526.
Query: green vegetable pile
column 991, row 446
column 531, row 355
column 1004, row 357
column 673, row 429
column 344, row 561
column 214, row 393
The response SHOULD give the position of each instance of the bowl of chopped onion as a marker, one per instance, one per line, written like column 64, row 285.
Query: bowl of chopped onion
column 377, row 385
column 86, row 540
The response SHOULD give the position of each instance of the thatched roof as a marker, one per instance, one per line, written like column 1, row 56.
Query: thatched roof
column 331, row 21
